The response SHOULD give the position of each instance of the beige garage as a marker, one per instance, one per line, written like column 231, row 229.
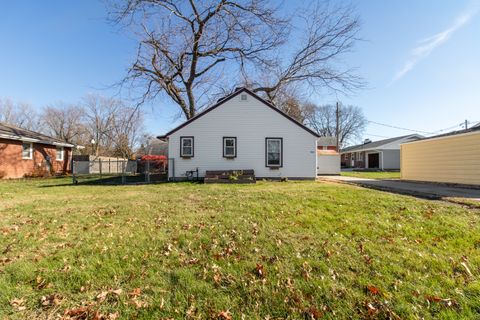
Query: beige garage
column 449, row 158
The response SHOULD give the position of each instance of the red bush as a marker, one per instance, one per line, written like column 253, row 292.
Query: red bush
column 151, row 157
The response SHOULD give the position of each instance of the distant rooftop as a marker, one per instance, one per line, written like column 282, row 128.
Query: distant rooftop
column 377, row 144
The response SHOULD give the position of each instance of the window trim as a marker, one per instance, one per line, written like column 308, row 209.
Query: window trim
column 181, row 147
column 224, row 147
column 62, row 152
column 30, row 157
column 266, row 152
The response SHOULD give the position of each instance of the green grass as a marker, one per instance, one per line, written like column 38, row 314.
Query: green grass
column 372, row 175
column 271, row 250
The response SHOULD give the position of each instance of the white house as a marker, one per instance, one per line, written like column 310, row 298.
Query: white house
column 242, row 131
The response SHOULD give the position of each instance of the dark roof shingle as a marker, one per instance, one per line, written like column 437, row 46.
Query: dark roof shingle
column 8, row 131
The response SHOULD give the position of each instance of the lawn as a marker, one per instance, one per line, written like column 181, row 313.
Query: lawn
column 271, row 250
column 372, row 175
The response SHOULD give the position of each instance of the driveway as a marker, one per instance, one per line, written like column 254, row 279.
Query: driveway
column 418, row 189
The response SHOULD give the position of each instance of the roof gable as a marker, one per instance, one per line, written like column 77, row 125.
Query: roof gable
column 222, row 101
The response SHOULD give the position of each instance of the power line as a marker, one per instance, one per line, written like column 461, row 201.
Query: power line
column 376, row 135
column 449, row 128
column 462, row 124
column 400, row 128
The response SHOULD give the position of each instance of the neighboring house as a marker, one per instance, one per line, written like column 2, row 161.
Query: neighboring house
column 382, row 154
column 27, row 153
column 448, row 158
column 242, row 131
column 327, row 143
column 328, row 159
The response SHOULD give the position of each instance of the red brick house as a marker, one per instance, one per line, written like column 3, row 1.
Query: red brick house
column 25, row 153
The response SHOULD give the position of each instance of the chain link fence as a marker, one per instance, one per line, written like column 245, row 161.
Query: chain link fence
column 120, row 171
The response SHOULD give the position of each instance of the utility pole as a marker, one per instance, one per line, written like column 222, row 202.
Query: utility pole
column 337, row 126
column 466, row 124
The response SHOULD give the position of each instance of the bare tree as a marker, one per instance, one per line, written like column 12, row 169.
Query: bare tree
column 113, row 126
column 127, row 131
column 189, row 50
column 99, row 119
column 65, row 122
column 19, row 114
column 323, row 120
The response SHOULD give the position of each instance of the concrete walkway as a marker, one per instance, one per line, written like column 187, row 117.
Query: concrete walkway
column 418, row 189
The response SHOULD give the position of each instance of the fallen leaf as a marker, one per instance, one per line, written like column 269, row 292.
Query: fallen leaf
column 117, row 291
column 217, row 278
column 225, row 315
column 313, row 313
column 139, row 303
column 135, row 292
column 51, row 300
column 260, row 271
column 18, row 304
column 80, row 313
column 433, row 298
column 373, row 290
column 370, row 308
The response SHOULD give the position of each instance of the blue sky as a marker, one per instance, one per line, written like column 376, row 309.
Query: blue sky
column 421, row 60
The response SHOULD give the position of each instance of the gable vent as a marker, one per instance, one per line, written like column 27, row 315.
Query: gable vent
column 244, row 97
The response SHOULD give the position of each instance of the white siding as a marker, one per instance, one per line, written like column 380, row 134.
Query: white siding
column 328, row 164
column 391, row 159
column 251, row 122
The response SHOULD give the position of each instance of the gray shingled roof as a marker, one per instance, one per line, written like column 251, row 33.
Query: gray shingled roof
column 327, row 141
column 376, row 144
column 10, row 132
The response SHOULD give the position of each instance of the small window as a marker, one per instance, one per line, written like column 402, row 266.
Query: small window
column 229, row 147
column 186, row 147
column 59, row 153
column 243, row 97
column 27, row 150
column 274, row 152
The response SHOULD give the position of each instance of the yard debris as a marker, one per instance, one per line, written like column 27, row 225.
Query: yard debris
column 86, row 313
column 81, row 313
column 260, row 270
column 138, row 303
column 448, row 303
column 467, row 269
column 313, row 313
column 306, row 270
column 225, row 315
column 18, row 304
column 40, row 283
column 102, row 296
column 373, row 290
column 135, row 292
column 51, row 300
column 168, row 249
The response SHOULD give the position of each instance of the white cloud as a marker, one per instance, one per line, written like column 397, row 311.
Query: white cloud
column 426, row 46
